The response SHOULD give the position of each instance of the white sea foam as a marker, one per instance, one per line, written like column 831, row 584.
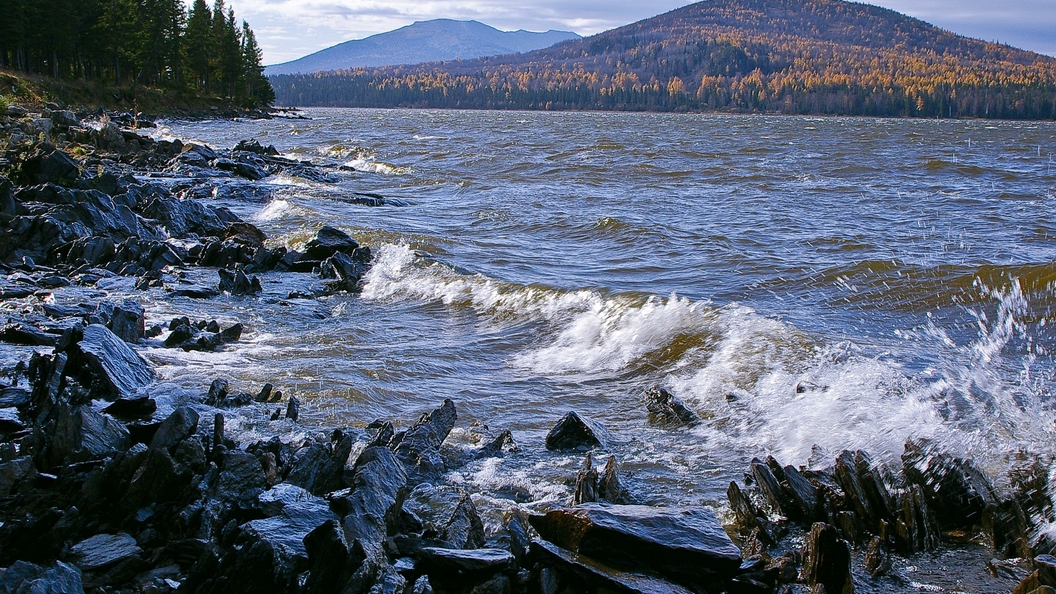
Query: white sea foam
column 370, row 166
column 764, row 385
column 276, row 209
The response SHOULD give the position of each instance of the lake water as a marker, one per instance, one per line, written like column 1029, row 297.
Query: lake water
column 806, row 285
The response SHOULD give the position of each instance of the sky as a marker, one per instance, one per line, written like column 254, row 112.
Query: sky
column 289, row 29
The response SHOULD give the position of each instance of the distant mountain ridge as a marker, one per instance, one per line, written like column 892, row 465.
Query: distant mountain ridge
column 740, row 56
column 424, row 41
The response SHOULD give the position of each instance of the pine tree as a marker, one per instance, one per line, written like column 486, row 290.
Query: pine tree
column 198, row 44
column 258, row 88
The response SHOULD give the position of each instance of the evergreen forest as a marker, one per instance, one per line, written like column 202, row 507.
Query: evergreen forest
column 156, row 43
column 739, row 56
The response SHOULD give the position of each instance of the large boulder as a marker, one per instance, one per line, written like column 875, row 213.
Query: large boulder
column 594, row 576
column 82, row 434
column 328, row 241
column 29, row 578
column 686, row 545
column 181, row 424
column 103, row 550
column 419, row 447
column 574, row 432
column 118, row 372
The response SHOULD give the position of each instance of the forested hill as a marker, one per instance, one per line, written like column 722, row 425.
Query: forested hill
column 775, row 56
column 158, row 43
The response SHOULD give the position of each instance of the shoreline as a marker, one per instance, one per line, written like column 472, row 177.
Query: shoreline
column 178, row 500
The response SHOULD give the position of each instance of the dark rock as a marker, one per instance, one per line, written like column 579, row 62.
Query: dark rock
column 119, row 371
column 331, row 559
column 217, row 392
column 328, row 241
column 241, row 477
column 573, row 432
column 876, row 560
column 23, row 577
column 24, row 334
column 13, row 397
column 64, row 118
column 15, row 473
column 83, row 434
column 245, row 234
column 419, row 447
column 827, row 560
column 597, row 576
column 252, row 146
column 55, row 167
column 180, row 425
column 196, row 292
column 102, row 550
column 125, row 320
column 956, row 490
column 320, row 468
column 768, row 477
column 686, row 545
column 157, row 480
column 237, row 283
column 293, row 408
column 265, row 393
column 348, row 270
column 915, row 530
column 586, row 483
column 456, row 562
column 241, row 168
column 132, row 408
column 465, row 530
column 665, row 408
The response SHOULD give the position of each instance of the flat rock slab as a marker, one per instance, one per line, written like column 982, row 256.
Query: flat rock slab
column 120, row 368
column 434, row 559
column 684, row 544
column 104, row 549
column 598, row 574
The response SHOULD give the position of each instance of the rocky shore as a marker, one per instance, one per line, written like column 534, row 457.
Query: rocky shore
column 99, row 492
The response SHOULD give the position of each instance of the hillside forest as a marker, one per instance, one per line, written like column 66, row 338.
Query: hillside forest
column 156, row 43
column 741, row 56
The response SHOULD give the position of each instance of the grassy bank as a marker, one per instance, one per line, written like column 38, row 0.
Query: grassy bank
column 34, row 91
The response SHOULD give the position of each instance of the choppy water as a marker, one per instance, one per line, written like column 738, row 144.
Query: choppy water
column 806, row 285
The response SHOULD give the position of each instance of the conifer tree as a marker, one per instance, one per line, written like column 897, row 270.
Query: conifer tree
column 258, row 89
column 197, row 44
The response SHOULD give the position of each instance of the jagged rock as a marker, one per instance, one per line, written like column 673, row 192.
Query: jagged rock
column 241, row 477
column 348, row 270
column 915, row 529
column 590, row 486
column 876, row 560
column 23, row 577
column 349, row 556
column 319, row 468
column 279, row 496
column 82, row 434
column 24, row 334
column 54, row 167
column 665, row 408
column 419, row 447
column 328, row 241
column 827, row 560
column 686, row 545
column 125, row 319
column 156, row 480
column 293, row 408
column 119, row 371
column 64, row 118
column 573, row 432
column 102, row 550
column 465, row 530
column 180, row 425
column 15, row 473
column 462, row 567
column 598, row 576
column 270, row 553
column 955, row 489
column 237, row 283
column 241, row 168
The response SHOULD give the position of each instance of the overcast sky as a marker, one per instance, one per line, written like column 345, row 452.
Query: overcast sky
column 290, row 29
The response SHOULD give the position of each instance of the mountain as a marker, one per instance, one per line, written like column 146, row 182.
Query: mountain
column 754, row 56
column 424, row 41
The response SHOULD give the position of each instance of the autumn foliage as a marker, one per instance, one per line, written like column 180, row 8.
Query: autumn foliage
column 771, row 56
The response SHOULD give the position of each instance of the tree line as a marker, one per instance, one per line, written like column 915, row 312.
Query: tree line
column 766, row 56
column 136, row 42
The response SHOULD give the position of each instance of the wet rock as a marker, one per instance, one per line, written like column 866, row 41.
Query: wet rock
column 237, row 283
column 593, row 575
column 126, row 319
column 181, row 424
column 241, row 477
column 465, row 530
column 956, row 490
column 319, row 468
column 328, row 241
column 118, row 370
column 23, row 577
column 877, row 561
column 419, row 447
column 196, row 292
column 452, row 561
column 102, row 550
column 54, row 167
column 348, row 270
column 82, row 434
column 157, row 480
column 27, row 335
column 131, row 409
column 916, row 530
column 591, row 487
column 666, row 409
column 685, row 545
column 16, row 473
column 827, row 560
column 573, row 432
column 252, row 146
column 293, row 408
column 241, row 168
column 63, row 118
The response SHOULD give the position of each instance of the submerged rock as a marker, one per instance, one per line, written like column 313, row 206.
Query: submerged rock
column 665, row 408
